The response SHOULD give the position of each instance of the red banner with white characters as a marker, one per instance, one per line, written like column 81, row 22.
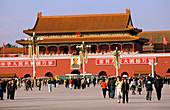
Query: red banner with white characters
column 108, row 61
column 27, row 63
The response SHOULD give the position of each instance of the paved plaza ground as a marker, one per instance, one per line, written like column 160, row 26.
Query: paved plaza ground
column 88, row 99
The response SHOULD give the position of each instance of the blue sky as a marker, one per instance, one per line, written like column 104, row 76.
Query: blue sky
column 19, row 15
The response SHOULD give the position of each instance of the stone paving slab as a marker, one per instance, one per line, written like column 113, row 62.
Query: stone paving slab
column 88, row 99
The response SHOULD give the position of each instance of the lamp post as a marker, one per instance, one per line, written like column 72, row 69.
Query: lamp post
column 153, row 69
column 83, row 48
column 33, row 41
column 116, row 58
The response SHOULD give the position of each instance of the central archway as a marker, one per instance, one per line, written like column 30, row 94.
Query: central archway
column 124, row 74
column 27, row 75
column 75, row 72
column 49, row 74
column 102, row 73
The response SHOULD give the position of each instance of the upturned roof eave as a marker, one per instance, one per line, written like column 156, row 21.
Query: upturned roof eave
column 30, row 32
column 90, row 39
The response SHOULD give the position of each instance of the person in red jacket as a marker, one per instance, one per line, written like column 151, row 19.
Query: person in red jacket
column 104, row 87
column 71, row 83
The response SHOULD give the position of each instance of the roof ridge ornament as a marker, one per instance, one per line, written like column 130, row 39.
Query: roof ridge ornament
column 128, row 11
column 39, row 14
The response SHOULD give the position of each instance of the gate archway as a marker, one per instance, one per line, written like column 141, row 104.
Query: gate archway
column 49, row 74
column 27, row 75
column 75, row 72
column 125, row 74
column 102, row 73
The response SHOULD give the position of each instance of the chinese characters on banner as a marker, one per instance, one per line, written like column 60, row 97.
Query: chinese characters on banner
column 125, row 61
column 27, row 63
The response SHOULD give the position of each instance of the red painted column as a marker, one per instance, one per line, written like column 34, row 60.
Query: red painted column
column 133, row 47
column 69, row 51
column 58, row 49
column 97, row 48
column 46, row 48
column 26, row 51
column 121, row 46
column 109, row 48
column 23, row 51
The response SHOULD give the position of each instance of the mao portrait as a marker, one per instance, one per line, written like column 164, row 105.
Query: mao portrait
column 75, row 62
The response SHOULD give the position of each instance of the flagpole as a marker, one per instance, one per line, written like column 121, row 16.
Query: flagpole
column 3, row 51
column 3, row 48
column 151, row 47
column 163, row 44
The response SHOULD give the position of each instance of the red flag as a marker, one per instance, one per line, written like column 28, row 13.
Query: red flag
column 3, row 45
column 15, row 45
column 165, row 41
column 151, row 42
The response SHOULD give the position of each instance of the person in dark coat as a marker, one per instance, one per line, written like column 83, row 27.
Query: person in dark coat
column 8, row 89
column 112, row 87
column 78, row 83
column 29, row 85
column 139, row 86
column 158, row 86
column 108, row 89
column 94, row 82
column 125, row 90
column 1, row 89
column 39, row 84
column 148, row 85
column 12, row 90
column 54, row 82
column 75, row 83
column 67, row 83
column 4, row 83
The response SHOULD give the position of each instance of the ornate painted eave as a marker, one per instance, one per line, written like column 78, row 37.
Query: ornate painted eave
column 89, row 39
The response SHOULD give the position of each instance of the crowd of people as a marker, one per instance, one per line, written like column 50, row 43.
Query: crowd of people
column 8, row 87
column 77, row 83
column 112, row 85
column 124, row 85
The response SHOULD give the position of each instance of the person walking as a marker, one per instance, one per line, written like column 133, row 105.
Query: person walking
column 39, row 84
column 54, row 82
column 4, row 83
column 29, row 85
column 67, row 83
column 112, row 87
column 78, row 83
column 108, row 84
column 94, row 81
column 139, row 86
column 118, row 87
column 148, row 85
column 8, row 89
column 83, row 83
column 75, row 83
column 125, row 90
column 1, row 90
column 158, row 87
column 133, row 86
column 71, row 83
column 49, row 85
column 88, row 82
column 12, row 89
column 104, row 87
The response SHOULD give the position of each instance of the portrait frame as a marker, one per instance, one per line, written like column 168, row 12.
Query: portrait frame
column 75, row 62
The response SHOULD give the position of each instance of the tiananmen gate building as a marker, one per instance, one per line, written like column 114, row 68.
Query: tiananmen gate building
column 104, row 32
